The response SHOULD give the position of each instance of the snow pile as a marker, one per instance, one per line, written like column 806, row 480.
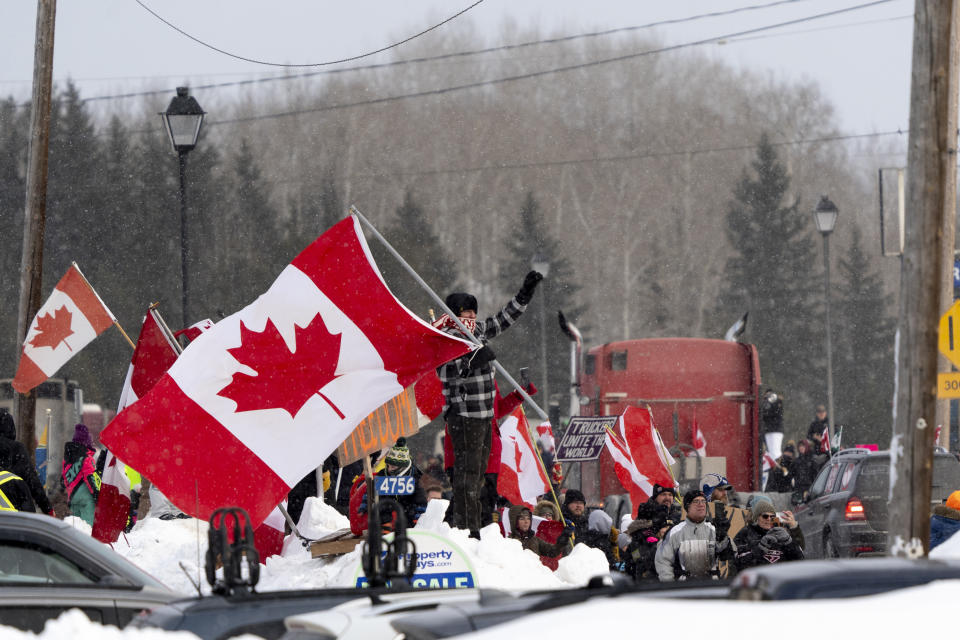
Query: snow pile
column 949, row 548
column 160, row 547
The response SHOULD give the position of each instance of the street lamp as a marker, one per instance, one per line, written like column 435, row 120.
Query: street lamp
column 826, row 216
column 541, row 263
column 182, row 121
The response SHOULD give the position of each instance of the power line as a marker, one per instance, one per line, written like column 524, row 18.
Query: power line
column 448, row 56
column 545, row 72
column 309, row 64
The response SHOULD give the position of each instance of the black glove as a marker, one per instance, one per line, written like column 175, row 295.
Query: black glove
column 720, row 521
column 480, row 357
column 529, row 286
column 776, row 538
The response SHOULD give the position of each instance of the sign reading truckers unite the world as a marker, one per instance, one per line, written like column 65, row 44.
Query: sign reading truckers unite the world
column 584, row 438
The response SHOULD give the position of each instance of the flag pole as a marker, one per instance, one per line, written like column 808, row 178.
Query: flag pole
column 526, row 396
column 163, row 327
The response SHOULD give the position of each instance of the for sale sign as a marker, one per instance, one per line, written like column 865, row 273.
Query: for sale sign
column 584, row 438
column 440, row 563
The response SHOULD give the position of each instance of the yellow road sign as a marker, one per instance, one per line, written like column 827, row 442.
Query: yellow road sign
column 949, row 341
column 948, row 385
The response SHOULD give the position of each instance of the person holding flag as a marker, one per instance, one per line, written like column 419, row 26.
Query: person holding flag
column 469, row 395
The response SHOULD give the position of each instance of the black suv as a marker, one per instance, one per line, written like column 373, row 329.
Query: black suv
column 846, row 512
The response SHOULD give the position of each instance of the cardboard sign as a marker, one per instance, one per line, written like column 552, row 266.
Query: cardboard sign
column 584, row 438
column 440, row 563
column 396, row 418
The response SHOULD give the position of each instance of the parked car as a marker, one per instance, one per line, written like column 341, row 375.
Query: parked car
column 846, row 513
column 843, row 578
column 48, row 567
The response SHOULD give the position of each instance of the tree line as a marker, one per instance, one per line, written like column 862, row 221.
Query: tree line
column 662, row 190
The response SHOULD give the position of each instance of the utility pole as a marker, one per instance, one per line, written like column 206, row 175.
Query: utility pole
column 31, row 261
column 930, row 228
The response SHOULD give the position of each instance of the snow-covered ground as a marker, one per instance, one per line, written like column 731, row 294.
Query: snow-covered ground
column 172, row 550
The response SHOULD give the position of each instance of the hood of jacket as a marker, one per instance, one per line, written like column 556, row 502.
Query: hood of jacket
column 946, row 512
column 514, row 514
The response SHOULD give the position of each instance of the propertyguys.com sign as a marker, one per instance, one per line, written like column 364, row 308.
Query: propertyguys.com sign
column 583, row 438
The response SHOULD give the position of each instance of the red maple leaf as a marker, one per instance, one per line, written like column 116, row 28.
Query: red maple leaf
column 53, row 329
column 285, row 380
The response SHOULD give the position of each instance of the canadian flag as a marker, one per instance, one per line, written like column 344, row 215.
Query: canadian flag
column 68, row 321
column 193, row 331
column 699, row 441
column 637, row 484
column 545, row 435
column 270, row 391
column 647, row 450
column 521, row 479
column 268, row 537
column 154, row 354
column 825, row 440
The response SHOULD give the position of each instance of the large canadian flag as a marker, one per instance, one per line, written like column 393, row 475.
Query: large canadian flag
column 645, row 446
column 154, row 354
column 68, row 321
column 521, row 479
column 269, row 392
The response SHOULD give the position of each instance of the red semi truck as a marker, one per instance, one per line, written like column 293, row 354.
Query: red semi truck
column 687, row 382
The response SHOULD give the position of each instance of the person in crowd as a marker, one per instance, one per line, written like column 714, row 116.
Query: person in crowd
column 804, row 471
column 15, row 494
column 780, row 478
column 502, row 407
column 765, row 540
column 817, row 427
column 575, row 513
column 693, row 547
column 397, row 462
column 664, row 498
column 469, row 395
column 722, row 491
column 434, row 492
column 521, row 521
column 601, row 534
column 945, row 520
column 644, row 537
column 771, row 420
column 547, row 510
column 14, row 458
column 79, row 475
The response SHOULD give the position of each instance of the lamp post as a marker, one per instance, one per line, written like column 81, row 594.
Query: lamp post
column 182, row 121
column 541, row 263
column 826, row 216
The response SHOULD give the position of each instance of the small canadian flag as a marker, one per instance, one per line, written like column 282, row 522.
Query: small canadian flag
column 699, row 441
column 68, row 321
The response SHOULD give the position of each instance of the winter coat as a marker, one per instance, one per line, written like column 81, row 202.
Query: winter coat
column 804, row 470
column 750, row 553
column 682, row 539
column 780, row 479
column 79, row 469
column 473, row 395
column 816, row 429
column 14, row 493
column 502, row 407
column 531, row 542
column 639, row 555
column 14, row 458
column 943, row 523
column 602, row 535
column 581, row 524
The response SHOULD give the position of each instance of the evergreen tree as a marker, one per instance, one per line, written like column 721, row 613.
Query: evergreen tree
column 523, row 344
column 13, row 157
column 863, row 334
column 313, row 209
column 413, row 237
column 772, row 274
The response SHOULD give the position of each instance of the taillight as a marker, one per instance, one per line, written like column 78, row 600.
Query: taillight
column 854, row 510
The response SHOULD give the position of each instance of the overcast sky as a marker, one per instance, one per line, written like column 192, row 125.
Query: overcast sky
column 860, row 58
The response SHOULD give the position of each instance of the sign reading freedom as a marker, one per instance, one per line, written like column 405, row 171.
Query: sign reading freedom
column 584, row 438
column 395, row 418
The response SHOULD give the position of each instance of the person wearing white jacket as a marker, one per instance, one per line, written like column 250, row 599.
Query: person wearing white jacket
column 693, row 547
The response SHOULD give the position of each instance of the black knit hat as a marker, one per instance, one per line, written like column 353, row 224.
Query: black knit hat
column 460, row 302
column 658, row 489
column 689, row 497
column 573, row 495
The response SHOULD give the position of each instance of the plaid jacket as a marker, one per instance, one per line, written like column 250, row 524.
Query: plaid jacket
column 474, row 395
